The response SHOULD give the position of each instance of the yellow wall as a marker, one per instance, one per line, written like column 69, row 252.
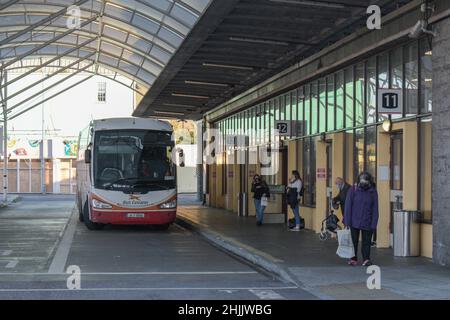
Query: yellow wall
column 426, row 240
column 314, row 216
column 384, row 191
column 321, row 187
column 338, row 163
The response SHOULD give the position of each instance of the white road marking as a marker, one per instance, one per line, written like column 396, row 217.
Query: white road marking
column 6, row 253
column 60, row 259
column 142, row 289
column 266, row 294
column 134, row 273
column 12, row 264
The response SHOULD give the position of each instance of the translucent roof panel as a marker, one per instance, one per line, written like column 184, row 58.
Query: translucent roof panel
column 132, row 39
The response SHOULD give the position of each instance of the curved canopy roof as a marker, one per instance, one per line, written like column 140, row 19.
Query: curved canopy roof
column 132, row 38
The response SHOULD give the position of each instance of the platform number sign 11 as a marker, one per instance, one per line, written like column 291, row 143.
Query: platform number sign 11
column 390, row 101
column 283, row 128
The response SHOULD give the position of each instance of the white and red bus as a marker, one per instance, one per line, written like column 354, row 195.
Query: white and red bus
column 125, row 173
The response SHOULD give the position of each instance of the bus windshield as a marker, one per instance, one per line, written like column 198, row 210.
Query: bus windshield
column 133, row 161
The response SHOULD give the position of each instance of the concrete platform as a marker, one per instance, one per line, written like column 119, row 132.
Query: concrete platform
column 312, row 264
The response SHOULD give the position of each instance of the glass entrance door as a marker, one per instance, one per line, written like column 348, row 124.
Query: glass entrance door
column 396, row 177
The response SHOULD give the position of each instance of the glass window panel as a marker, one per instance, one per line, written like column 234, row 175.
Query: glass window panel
column 184, row 15
column 349, row 156
column 282, row 107
column 294, row 107
column 322, row 105
column 258, row 124
column 411, row 78
column 371, row 150
column 360, row 94
column 426, row 81
column 170, row 37
column 287, row 102
column 145, row 24
column 314, row 107
column 426, row 165
column 300, row 102
column 383, row 77
column 308, row 109
column 372, row 90
column 349, row 98
column 271, row 119
column 396, row 57
column 359, row 152
column 340, row 100
column 331, row 104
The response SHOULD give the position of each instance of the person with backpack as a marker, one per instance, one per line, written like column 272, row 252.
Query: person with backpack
column 261, row 192
column 294, row 194
column 361, row 215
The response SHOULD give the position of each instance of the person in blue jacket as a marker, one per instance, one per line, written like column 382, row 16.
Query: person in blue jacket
column 361, row 215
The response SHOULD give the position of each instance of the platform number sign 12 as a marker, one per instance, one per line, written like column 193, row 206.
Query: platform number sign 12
column 390, row 101
column 283, row 128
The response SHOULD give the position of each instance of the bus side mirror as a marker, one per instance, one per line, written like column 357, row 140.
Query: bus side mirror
column 87, row 156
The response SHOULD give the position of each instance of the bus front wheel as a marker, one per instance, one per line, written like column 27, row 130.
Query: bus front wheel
column 89, row 224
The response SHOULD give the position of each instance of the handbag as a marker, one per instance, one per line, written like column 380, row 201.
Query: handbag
column 292, row 197
column 264, row 201
column 346, row 249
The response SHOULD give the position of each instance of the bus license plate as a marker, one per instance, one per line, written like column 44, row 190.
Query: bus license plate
column 135, row 215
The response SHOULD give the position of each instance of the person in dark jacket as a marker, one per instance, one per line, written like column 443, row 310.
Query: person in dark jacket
column 343, row 188
column 361, row 215
column 260, row 190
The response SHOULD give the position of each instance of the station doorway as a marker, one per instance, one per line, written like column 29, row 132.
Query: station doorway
column 396, row 178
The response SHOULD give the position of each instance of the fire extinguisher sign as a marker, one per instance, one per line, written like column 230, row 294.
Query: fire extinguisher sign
column 390, row 101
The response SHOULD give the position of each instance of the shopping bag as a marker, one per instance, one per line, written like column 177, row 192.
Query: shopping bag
column 345, row 249
column 264, row 201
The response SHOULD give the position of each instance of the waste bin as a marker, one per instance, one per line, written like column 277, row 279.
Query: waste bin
column 242, row 205
column 407, row 233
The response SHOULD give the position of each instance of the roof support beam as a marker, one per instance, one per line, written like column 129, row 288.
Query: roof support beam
column 210, row 20
column 45, row 44
column 51, row 97
column 15, row 94
column 100, row 33
column 48, row 88
column 40, row 23
column 8, row 4
column 47, row 63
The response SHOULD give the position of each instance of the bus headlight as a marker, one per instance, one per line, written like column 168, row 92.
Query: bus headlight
column 169, row 205
column 100, row 205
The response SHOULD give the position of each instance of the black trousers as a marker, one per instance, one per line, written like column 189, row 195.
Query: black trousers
column 366, row 242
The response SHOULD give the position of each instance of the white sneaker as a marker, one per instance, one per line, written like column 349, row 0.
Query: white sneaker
column 296, row 229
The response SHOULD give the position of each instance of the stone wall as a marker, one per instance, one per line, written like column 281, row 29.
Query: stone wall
column 441, row 143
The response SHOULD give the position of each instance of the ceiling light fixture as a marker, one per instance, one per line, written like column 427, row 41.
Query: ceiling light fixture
column 326, row 4
column 169, row 113
column 178, row 105
column 260, row 41
column 183, row 95
column 202, row 83
column 227, row 66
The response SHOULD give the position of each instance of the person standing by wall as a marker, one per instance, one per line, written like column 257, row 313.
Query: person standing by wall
column 361, row 215
column 294, row 194
column 261, row 192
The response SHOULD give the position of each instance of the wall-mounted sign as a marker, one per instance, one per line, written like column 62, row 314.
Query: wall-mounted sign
column 321, row 173
column 390, row 101
column 284, row 128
